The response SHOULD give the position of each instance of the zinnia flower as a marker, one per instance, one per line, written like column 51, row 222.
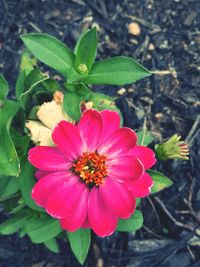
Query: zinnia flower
column 93, row 175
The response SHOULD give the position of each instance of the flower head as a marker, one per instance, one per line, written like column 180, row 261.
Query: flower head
column 173, row 148
column 93, row 175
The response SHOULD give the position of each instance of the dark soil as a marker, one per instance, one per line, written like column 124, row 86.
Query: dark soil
column 169, row 43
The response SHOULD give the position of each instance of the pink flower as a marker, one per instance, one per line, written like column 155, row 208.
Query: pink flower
column 93, row 175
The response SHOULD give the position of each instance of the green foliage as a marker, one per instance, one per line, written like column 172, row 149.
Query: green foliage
column 28, row 62
column 34, row 79
column 52, row 245
column 26, row 182
column 13, row 224
column 50, row 51
column 86, row 50
column 116, row 71
column 42, row 228
column 8, row 186
column 160, row 181
column 3, row 87
column 9, row 162
column 80, row 243
column 144, row 138
column 131, row 224
column 73, row 98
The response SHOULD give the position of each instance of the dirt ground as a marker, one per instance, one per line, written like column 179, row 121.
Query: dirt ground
column 168, row 43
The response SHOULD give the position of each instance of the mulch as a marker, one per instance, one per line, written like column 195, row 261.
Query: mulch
column 169, row 44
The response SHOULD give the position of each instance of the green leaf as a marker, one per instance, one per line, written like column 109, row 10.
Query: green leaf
column 134, row 223
column 8, row 186
column 21, row 142
column 50, row 51
column 52, row 245
column 9, row 163
column 117, row 71
column 20, row 84
column 13, row 224
column 28, row 62
column 41, row 229
column 73, row 99
column 34, row 79
column 86, row 49
column 51, row 85
column 3, row 87
column 26, row 182
column 160, row 181
column 144, row 138
column 80, row 243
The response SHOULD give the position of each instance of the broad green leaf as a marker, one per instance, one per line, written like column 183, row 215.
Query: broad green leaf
column 9, row 163
column 13, row 224
column 40, row 229
column 3, row 87
column 73, row 99
column 134, row 223
column 52, row 245
column 8, row 186
column 86, row 49
column 80, row 243
column 28, row 62
column 117, row 71
column 160, row 181
column 144, row 138
column 50, row 51
column 34, row 79
column 26, row 182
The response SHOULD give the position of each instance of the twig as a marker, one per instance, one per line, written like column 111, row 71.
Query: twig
column 151, row 232
column 154, row 209
column 177, row 223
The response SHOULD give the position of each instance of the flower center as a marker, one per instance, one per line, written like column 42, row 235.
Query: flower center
column 91, row 168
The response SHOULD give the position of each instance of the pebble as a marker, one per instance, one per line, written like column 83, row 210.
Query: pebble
column 121, row 91
column 151, row 47
column 134, row 29
column 190, row 18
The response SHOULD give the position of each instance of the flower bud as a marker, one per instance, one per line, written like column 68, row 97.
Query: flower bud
column 83, row 69
column 173, row 148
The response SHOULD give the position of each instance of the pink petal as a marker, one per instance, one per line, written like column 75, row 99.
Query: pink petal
column 117, row 197
column 86, row 223
column 40, row 174
column 145, row 155
column 142, row 186
column 111, row 122
column 91, row 128
column 43, row 189
column 66, row 136
column 48, row 159
column 121, row 141
column 63, row 201
column 77, row 216
column 102, row 221
column 125, row 168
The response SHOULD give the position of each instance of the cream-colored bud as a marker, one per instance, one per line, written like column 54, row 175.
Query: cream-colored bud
column 40, row 135
column 51, row 113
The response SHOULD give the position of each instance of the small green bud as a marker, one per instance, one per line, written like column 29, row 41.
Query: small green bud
column 173, row 148
column 83, row 69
